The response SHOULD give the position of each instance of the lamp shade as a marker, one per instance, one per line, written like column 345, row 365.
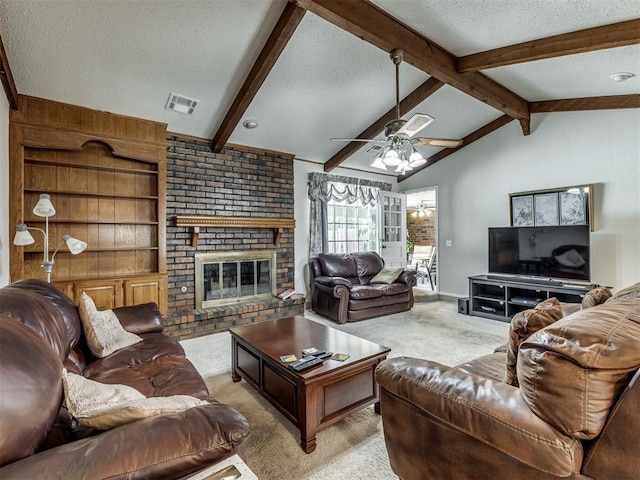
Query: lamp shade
column 75, row 246
column 416, row 159
column 391, row 158
column 378, row 163
column 23, row 237
column 44, row 207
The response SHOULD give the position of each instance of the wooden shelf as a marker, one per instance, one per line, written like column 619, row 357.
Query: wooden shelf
column 111, row 249
column 89, row 222
column 277, row 224
column 92, row 194
column 53, row 163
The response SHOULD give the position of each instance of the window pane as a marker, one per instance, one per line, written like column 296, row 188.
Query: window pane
column 211, row 281
column 229, row 280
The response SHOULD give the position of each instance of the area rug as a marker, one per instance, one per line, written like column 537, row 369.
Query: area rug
column 353, row 448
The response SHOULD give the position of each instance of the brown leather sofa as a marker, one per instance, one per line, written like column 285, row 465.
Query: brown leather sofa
column 575, row 414
column 40, row 332
column 341, row 288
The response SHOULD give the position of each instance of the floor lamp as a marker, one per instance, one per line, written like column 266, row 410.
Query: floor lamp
column 44, row 208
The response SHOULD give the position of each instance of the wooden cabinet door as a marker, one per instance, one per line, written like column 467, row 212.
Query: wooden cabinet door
column 147, row 289
column 67, row 289
column 106, row 294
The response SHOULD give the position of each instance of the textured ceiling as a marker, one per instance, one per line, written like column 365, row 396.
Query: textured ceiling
column 127, row 56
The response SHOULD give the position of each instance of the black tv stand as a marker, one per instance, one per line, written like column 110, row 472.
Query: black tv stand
column 500, row 297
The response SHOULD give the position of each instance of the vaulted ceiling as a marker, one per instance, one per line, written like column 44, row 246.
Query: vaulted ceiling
column 310, row 70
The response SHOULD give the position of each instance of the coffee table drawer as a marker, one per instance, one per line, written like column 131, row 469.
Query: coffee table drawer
column 349, row 392
column 281, row 390
column 249, row 364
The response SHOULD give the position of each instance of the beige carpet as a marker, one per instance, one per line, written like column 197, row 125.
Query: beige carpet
column 353, row 448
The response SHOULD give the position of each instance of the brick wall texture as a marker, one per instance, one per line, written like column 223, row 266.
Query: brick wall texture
column 230, row 183
column 422, row 229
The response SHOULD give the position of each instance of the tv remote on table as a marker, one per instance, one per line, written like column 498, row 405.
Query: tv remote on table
column 304, row 365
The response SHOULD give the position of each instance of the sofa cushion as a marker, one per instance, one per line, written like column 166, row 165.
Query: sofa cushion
column 596, row 296
column 337, row 265
column 394, row 289
column 362, row 292
column 387, row 275
column 65, row 306
column 571, row 372
column 129, row 317
column 103, row 331
column 524, row 324
column 37, row 313
column 102, row 406
column 30, row 390
column 368, row 264
column 627, row 293
column 379, row 302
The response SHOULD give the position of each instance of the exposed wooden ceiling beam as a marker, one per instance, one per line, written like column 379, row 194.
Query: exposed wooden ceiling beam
column 588, row 40
column 468, row 140
column 589, row 103
column 7, row 78
column 372, row 24
column 411, row 101
column 278, row 39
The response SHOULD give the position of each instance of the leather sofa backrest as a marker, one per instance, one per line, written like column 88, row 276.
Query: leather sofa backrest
column 30, row 391
column 368, row 264
column 37, row 313
column 337, row 265
column 63, row 304
column 572, row 372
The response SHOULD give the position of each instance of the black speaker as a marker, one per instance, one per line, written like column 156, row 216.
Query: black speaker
column 463, row 306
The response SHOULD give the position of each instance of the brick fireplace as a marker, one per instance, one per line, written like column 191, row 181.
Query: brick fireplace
column 233, row 183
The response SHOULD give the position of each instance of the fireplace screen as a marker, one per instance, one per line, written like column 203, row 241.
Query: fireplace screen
column 224, row 278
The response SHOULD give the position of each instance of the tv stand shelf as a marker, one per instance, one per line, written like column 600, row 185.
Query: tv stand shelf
column 501, row 298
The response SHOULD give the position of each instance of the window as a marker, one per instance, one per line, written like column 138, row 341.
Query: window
column 351, row 228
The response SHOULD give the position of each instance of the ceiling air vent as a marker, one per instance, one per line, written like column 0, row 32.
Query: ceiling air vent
column 181, row 104
column 374, row 150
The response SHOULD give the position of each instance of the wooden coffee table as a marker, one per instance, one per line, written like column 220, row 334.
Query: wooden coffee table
column 315, row 398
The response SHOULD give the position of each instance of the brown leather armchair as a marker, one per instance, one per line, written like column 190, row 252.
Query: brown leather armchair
column 342, row 288
column 575, row 414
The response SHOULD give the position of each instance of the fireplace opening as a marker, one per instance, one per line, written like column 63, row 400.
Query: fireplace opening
column 224, row 278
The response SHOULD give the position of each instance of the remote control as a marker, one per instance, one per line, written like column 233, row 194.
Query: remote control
column 324, row 355
column 302, row 361
column 306, row 365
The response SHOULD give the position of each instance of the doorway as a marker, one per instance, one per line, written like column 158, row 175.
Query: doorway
column 422, row 236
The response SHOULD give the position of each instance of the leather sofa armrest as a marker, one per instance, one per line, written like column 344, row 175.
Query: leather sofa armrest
column 142, row 318
column 407, row 277
column 482, row 410
column 161, row 447
column 333, row 281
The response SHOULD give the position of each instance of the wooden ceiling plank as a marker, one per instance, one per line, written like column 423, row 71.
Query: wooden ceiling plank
column 410, row 102
column 591, row 39
column 468, row 140
column 372, row 24
column 612, row 102
column 275, row 44
column 7, row 78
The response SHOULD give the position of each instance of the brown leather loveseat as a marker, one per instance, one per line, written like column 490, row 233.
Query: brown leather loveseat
column 345, row 288
column 569, row 409
column 40, row 332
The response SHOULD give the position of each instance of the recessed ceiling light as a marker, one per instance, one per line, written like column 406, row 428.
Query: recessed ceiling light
column 621, row 76
column 250, row 124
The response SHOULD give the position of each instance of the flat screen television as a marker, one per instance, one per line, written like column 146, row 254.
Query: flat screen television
column 557, row 252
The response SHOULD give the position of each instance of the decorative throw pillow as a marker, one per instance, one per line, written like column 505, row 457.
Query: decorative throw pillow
column 596, row 297
column 102, row 329
column 103, row 406
column 523, row 325
column 387, row 275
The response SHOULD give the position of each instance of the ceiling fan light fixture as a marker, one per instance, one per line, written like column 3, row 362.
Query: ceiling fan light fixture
column 378, row 163
column 391, row 158
column 416, row 159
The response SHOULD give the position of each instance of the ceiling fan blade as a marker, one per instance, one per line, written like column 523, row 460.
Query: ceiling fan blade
column 366, row 140
column 438, row 142
column 415, row 124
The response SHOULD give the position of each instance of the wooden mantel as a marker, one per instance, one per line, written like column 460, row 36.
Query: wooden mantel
column 277, row 224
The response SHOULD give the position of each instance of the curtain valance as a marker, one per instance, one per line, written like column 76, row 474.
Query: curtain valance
column 325, row 187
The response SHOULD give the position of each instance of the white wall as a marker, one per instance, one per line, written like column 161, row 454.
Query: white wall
column 564, row 149
column 4, row 190
column 301, row 169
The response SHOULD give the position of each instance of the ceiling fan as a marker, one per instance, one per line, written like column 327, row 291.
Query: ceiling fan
column 399, row 147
